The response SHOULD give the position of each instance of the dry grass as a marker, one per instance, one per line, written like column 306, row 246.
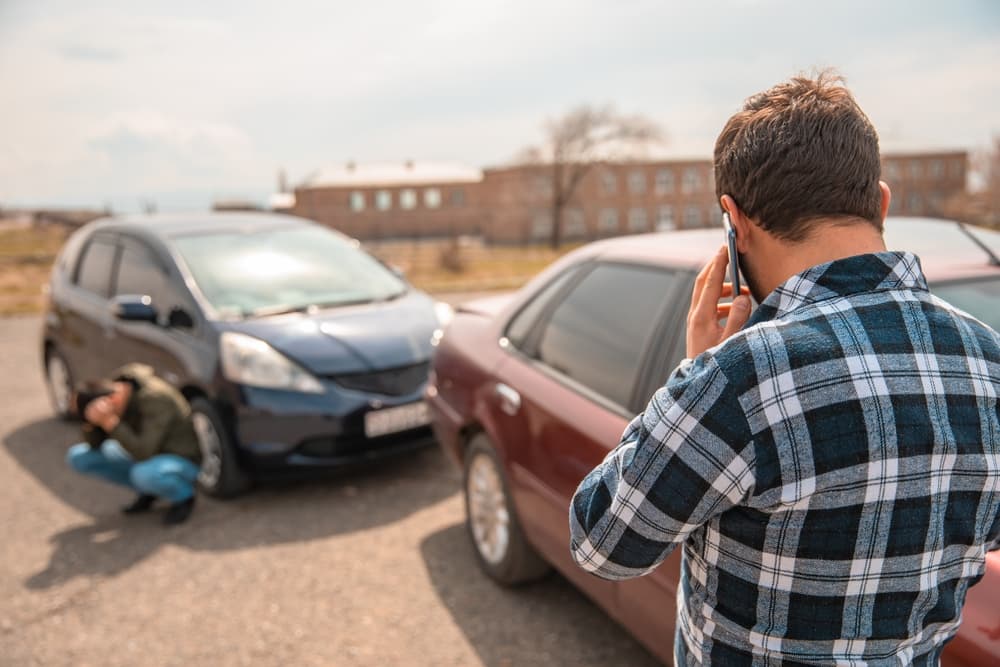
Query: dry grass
column 27, row 253
column 26, row 256
column 483, row 267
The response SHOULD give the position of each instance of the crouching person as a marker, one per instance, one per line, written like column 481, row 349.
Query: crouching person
column 138, row 433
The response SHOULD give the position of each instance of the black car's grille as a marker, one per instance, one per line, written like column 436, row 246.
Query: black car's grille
column 392, row 382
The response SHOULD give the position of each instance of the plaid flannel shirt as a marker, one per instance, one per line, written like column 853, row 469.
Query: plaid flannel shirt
column 832, row 470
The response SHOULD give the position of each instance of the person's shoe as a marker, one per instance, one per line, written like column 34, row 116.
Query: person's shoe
column 143, row 503
column 179, row 512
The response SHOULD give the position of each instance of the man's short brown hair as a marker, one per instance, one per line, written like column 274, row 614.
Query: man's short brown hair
column 798, row 152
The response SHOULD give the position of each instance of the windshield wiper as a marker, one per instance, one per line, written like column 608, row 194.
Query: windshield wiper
column 284, row 309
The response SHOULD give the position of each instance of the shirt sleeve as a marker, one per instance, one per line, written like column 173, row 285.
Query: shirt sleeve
column 157, row 413
column 686, row 459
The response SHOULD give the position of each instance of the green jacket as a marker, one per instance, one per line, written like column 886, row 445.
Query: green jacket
column 157, row 419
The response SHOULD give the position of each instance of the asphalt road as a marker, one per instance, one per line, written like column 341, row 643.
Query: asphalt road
column 373, row 568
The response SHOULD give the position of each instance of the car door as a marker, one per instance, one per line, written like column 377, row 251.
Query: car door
column 574, row 374
column 165, row 345
column 649, row 602
column 86, row 314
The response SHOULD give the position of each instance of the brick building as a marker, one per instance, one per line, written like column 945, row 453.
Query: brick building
column 922, row 183
column 405, row 200
column 513, row 204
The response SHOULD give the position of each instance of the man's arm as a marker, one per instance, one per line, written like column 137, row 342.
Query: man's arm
column 686, row 459
column 157, row 413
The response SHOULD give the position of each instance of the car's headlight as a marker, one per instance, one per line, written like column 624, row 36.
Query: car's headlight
column 251, row 361
column 444, row 313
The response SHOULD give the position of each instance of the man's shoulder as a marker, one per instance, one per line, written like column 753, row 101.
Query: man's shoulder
column 771, row 348
column 159, row 394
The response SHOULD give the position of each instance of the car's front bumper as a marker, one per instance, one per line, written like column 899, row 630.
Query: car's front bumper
column 446, row 424
column 279, row 431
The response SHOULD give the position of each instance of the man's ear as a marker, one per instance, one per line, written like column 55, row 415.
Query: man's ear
column 886, row 198
column 741, row 223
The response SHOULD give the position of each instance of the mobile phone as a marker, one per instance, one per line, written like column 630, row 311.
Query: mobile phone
column 734, row 262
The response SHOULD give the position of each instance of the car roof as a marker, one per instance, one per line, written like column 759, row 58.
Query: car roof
column 947, row 249
column 171, row 225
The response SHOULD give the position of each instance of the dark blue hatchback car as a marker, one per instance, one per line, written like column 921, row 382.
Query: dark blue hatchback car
column 296, row 348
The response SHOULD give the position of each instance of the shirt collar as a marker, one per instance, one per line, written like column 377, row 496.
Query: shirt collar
column 873, row 272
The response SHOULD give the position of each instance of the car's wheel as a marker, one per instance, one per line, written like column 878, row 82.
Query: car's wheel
column 59, row 382
column 221, row 475
column 501, row 547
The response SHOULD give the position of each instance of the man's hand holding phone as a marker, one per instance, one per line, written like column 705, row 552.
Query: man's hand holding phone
column 704, row 327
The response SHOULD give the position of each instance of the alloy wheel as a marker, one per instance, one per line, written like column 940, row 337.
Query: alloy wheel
column 58, row 375
column 488, row 515
column 211, row 450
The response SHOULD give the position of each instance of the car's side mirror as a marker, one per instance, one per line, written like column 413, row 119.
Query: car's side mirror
column 178, row 318
column 134, row 308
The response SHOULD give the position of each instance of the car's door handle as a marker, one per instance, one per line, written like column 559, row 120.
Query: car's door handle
column 510, row 400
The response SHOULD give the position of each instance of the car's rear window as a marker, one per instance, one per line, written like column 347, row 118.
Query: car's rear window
column 980, row 298
column 264, row 271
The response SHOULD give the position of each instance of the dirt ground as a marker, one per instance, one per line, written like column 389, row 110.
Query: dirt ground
column 371, row 568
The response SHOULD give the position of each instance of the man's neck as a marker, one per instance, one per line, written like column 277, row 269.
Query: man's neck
column 826, row 243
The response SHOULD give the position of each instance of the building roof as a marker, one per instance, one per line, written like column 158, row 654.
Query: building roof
column 392, row 173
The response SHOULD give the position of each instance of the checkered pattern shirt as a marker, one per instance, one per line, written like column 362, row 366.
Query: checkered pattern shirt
column 832, row 470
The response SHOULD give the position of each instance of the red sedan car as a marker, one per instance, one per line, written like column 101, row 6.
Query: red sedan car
column 530, row 391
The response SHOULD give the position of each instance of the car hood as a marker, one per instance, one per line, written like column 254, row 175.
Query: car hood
column 351, row 339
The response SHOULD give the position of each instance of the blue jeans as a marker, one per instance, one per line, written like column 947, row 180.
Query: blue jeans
column 165, row 475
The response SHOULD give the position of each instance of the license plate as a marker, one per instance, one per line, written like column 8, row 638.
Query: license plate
column 394, row 420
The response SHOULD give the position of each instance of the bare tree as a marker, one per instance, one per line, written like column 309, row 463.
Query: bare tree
column 580, row 139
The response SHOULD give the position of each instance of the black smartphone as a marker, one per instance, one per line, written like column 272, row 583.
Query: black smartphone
column 734, row 262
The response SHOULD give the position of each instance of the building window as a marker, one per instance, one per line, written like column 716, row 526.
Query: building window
column 936, row 169
column 664, row 181
column 408, row 199
column 915, row 169
column 935, row 203
column 692, row 180
column 458, row 197
column 891, row 170
column 609, row 182
column 608, row 222
column 541, row 226
column 574, row 226
column 637, row 220
column 383, row 200
column 432, row 198
column 357, row 201
column 665, row 219
column 915, row 203
column 692, row 216
column 637, row 182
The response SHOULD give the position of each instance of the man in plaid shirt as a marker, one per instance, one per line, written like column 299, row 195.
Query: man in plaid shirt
column 831, row 464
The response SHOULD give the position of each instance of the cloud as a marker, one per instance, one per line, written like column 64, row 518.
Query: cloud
column 89, row 53
column 152, row 150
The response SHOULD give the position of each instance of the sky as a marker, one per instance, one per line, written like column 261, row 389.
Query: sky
column 116, row 103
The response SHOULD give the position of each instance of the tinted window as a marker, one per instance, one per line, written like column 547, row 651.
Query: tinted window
column 979, row 298
column 141, row 272
column 94, row 272
column 521, row 325
column 598, row 333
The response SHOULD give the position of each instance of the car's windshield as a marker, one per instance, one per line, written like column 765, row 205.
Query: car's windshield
column 980, row 298
column 278, row 270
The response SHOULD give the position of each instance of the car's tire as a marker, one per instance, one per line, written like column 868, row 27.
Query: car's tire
column 59, row 383
column 221, row 474
column 497, row 538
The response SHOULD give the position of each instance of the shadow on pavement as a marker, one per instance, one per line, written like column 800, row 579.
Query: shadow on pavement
column 273, row 513
column 545, row 623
